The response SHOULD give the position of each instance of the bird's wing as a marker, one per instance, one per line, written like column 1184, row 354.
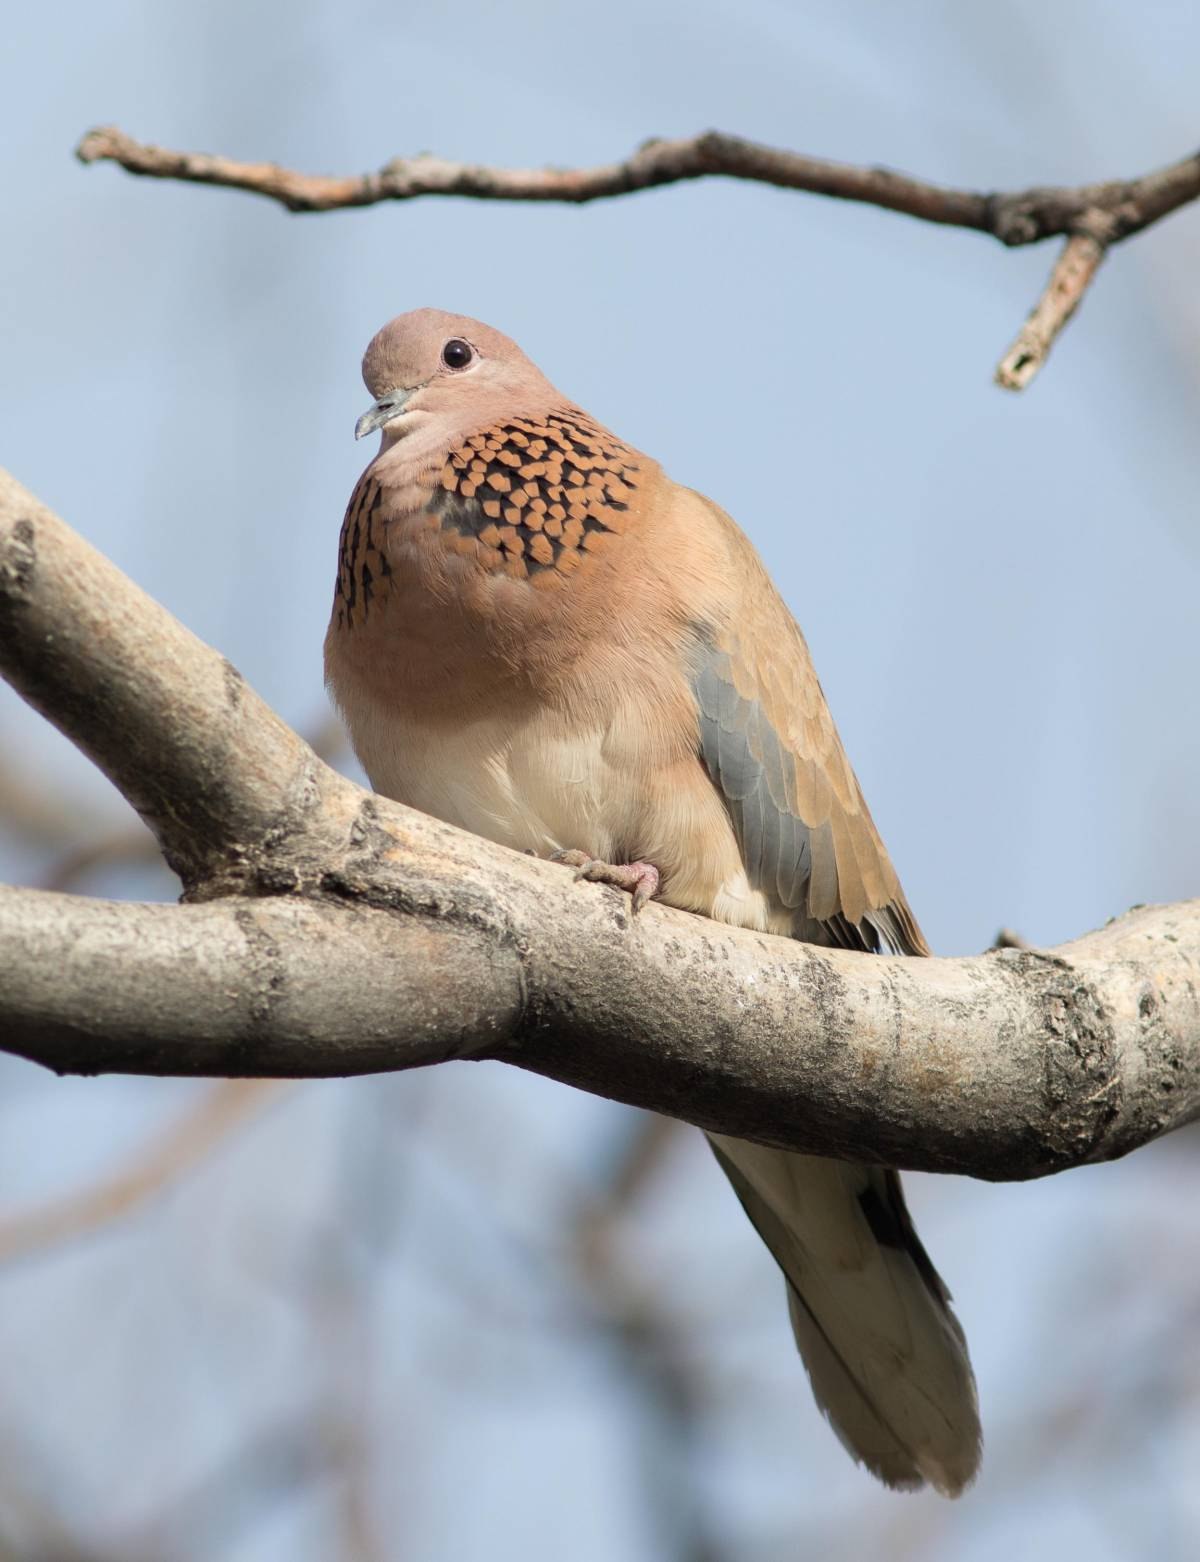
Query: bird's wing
column 871, row 1317
column 771, row 749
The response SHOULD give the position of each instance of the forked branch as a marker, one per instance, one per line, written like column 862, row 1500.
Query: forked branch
column 1090, row 217
column 328, row 932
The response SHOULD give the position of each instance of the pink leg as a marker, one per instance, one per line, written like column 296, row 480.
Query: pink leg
column 640, row 879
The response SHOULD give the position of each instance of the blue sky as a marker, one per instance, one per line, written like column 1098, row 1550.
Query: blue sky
column 999, row 592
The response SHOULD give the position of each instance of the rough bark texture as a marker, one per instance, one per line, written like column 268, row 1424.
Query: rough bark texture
column 327, row 931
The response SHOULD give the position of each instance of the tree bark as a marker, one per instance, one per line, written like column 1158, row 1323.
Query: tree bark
column 327, row 931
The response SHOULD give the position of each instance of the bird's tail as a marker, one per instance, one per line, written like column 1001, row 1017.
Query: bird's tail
column 886, row 1355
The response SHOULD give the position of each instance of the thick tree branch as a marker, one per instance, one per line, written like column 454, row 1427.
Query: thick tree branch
column 333, row 932
column 244, row 987
column 1091, row 217
column 195, row 751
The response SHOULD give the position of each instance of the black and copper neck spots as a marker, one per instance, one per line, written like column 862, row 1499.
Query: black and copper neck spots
column 531, row 496
column 362, row 562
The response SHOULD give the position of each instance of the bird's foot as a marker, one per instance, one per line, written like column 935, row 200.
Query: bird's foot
column 640, row 879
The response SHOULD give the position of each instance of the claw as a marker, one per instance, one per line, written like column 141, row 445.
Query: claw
column 639, row 879
column 573, row 859
column 646, row 888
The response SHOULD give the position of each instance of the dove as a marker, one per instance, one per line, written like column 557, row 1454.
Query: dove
column 539, row 637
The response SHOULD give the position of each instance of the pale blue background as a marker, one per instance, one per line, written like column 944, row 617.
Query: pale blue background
column 1000, row 593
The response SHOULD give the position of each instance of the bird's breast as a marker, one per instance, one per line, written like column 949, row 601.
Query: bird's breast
column 473, row 632
column 510, row 648
column 529, row 781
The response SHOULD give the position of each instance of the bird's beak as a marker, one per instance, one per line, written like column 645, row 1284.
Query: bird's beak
column 383, row 411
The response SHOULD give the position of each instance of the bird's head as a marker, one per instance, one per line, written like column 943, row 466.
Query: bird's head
column 438, row 378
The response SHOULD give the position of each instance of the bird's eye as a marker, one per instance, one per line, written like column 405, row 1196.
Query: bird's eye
column 457, row 354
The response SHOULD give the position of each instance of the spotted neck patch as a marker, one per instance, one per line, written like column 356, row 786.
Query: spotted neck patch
column 362, row 562
column 532, row 495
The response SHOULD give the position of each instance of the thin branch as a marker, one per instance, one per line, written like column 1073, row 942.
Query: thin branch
column 1103, row 213
column 335, row 932
column 1019, row 217
column 1073, row 271
column 655, row 163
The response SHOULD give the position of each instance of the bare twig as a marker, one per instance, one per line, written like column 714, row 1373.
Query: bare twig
column 1022, row 217
column 1101, row 214
column 335, row 932
column 655, row 163
column 1073, row 271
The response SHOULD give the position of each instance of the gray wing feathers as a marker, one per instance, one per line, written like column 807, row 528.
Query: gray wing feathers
column 793, row 859
column 756, row 776
column 748, row 765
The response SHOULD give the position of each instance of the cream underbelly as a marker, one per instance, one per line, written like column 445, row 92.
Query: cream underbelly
column 533, row 787
column 524, row 785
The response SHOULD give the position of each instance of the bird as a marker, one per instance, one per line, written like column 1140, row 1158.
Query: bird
column 539, row 637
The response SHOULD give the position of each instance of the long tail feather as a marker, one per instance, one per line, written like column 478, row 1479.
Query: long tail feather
column 886, row 1356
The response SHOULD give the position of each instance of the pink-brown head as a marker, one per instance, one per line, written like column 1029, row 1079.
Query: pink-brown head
column 438, row 378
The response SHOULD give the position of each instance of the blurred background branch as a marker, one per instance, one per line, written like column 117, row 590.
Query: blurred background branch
column 171, row 1154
